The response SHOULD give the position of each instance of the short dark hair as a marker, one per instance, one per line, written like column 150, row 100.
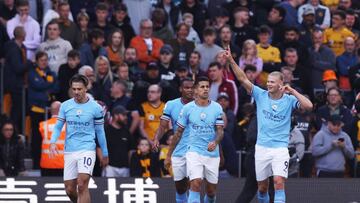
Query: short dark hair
column 96, row 34
column 21, row 3
column 215, row 63
column 79, row 78
column 73, row 54
column 333, row 88
column 187, row 79
column 292, row 28
column 209, row 31
column 225, row 26
column 240, row 9
column 281, row 11
column 52, row 22
column 102, row 6
column 63, row 3
column 40, row 54
column 178, row 26
column 350, row 11
column 339, row 13
column 201, row 79
column 264, row 29
column 197, row 53
column 249, row 67
column 19, row 31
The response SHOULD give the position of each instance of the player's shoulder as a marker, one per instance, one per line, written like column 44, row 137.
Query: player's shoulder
column 190, row 105
column 172, row 102
column 215, row 105
column 68, row 102
column 94, row 104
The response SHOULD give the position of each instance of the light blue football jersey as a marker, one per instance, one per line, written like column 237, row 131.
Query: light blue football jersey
column 273, row 117
column 84, row 122
column 202, row 122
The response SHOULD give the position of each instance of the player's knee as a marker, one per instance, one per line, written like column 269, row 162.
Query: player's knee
column 70, row 191
column 196, row 185
column 279, row 183
column 82, row 186
column 263, row 187
column 181, row 186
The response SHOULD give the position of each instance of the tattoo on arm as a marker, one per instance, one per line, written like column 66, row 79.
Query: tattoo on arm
column 219, row 134
column 160, row 132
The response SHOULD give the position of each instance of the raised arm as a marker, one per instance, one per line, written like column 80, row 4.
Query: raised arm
column 305, row 103
column 239, row 73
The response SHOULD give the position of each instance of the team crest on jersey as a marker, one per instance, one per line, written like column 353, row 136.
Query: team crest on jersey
column 274, row 107
column 202, row 116
column 151, row 117
column 78, row 112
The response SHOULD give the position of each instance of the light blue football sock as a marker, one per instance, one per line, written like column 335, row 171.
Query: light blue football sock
column 208, row 199
column 194, row 197
column 263, row 197
column 279, row 196
column 181, row 198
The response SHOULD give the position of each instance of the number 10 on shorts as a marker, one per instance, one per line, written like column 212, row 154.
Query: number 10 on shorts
column 87, row 161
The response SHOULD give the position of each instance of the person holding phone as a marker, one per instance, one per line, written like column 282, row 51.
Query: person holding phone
column 331, row 147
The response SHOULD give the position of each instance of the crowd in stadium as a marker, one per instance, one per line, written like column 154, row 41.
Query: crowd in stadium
column 135, row 54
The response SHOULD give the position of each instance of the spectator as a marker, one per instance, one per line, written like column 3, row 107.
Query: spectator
column 147, row 47
column 242, row 31
column 56, row 47
column 42, row 87
column 82, row 20
column 331, row 148
column 346, row 60
column 244, row 97
column 354, row 75
column 51, row 166
column 69, row 30
column 152, row 74
column 182, row 47
column 289, row 77
column 198, row 10
column 226, row 40
column 150, row 112
column 104, row 79
column 121, row 20
column 291, row 18
column 350, row 20
column 82, row 6
column 354, row 134
column 66, row 71
column 102, row 12
column 276, row 23
column 123, row 75
column 221, row 18
column 31, row 27
column 116, row 48
column 208, row 48
column 165, row 63
column 192, row 36
column 296, row 150
column 321, row 58
column 270, row 55
column 336, row 35
column 345, row 4
column 172, row 12
column 322, row 13
column 194, row 65
column 232, row 6
column 137, row 11
column 132, row 61
column 331, row 4
column 7, row 11
column 89, row 73
column 249, row 56
column 144, row 163
column 164, row 149
column 329, row 80
column 3, row 39
column 118, row 95
column 161, row 30
column 308, row 26
column 227, row 72
column 15, row 69
column 120, row 144
column 90, row 51
column 334, row 106
column 12, row 151
column 219, row 84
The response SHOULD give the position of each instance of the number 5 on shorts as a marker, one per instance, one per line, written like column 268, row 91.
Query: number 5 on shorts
column 87, row 161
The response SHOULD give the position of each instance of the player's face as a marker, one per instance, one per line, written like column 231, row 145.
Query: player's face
column 202, row 90
column 187, row 90
column 273, row 84
column 79, row 91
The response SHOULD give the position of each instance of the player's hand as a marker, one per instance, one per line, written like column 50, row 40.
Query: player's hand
column 53, row 151
column 167, row 162
column 286, row 89
column 155, row 145
column 212, row 146
column 104, row 162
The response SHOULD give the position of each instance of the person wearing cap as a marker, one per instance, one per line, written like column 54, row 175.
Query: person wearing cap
column 331, row 147
column 119, row 142
column 307, row 26
column 152, row 73
column 166, row 67
column 321, row 58
column 182, row 47
column 121, row 20
column 147, row 47
column 322, row 13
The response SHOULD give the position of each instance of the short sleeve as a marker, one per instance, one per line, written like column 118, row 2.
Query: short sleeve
column 166, row 112
column 219, row 117
column 183, row 117
column 256, row 92
column 141, row 111
column 99, row 115
column 61, row 115
column 294, row 102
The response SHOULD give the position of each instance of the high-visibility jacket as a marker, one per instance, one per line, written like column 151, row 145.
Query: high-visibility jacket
column 46, row 129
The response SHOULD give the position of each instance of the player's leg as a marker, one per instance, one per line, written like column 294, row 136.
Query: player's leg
column 71, row 189
column 211, row 165
column 280, row 167
column 83, row 188
column 180, row 177
column 195, row 170
column 85, row 163
column 263, row 171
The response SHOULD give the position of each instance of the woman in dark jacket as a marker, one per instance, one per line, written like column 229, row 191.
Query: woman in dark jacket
column 121, row 20
column 11, row 151
column 42, row 87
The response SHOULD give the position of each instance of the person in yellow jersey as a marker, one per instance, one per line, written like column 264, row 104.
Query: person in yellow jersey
column 150, row 112
column 335, row 36
column 54, row 166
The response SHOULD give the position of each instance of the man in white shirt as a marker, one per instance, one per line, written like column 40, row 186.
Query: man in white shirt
column 31, row 27
column 322, row 13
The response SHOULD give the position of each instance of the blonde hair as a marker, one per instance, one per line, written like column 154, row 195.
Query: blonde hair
column 109, row 75
column 278, row 74
column 245, row 47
